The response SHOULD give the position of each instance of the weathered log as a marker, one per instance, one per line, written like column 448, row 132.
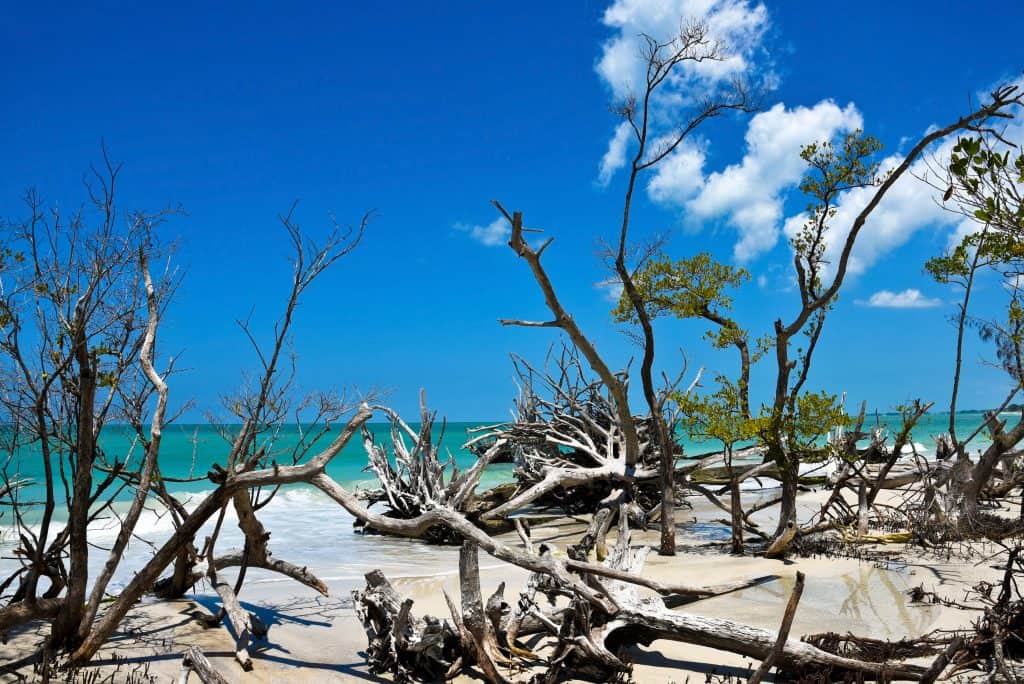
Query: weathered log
column 237, row 558
column 778, row 548
column 241, row 622
column 483, row 643
column 648, row 625
column 642, row 621
column 594, row 537
column 568, row 477
column 571, row 449
column 23, row 611
column 408, row 648
column 413, row 477
column 195, row 661
column 589, row 644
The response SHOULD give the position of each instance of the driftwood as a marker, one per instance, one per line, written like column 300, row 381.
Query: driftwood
column 195, row 661
column 569, row 444
column 943, row 659
column 780, row 643
column 409, row 648
column 592, row 638
column 413, row 477
column 245, row 624
column 478, row 625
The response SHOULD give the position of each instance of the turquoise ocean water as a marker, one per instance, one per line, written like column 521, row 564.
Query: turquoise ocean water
column 305, row 524
column 189, row 451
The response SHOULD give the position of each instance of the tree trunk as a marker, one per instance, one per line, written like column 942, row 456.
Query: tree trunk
column 789, row 473
column 666, row 472
column 65, row 629
column 736, row 508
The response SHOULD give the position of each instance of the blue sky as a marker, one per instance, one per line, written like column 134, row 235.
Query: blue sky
column 426, row 111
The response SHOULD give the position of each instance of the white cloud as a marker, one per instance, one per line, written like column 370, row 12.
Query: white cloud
column 908, row 207
column 679, row 176
column 748, row 195
column 615, row 157
column 910, row 298
column 737, row 24
column 494, row 234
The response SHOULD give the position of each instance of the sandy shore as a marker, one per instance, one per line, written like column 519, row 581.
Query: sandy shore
column 318, row 639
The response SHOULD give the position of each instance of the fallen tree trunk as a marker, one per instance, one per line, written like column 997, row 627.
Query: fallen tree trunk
column 645, row 626
column 643, row 621
column 195, row 661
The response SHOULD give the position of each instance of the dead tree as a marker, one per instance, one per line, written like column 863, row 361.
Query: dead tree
column 565, row 442
column 262, row 409
column 400, row 644
column 565, row 322
column 417, row 480
column 692, row 45
column 311, row 471
column 79, row 314
column 79, row 319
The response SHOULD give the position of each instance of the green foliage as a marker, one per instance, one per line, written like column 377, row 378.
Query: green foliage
column 953, row 266
column 700, row 287
column 695, row 287
column 8, row 255
column 835, row 169
column 984, row 178
column 815, row 414
column 985, row 184
column 687, row 288
column 719, row 415
column 832, row 170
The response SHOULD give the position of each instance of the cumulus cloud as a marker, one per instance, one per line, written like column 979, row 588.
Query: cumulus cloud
column 738, row 25
column 494, row 234
column 909, row 207
column 910, row 298
column 679, row 176
column 748, row 195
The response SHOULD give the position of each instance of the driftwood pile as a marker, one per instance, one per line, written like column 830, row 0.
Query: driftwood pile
column 586, row 637
column 594, row 613
column 414, row 479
